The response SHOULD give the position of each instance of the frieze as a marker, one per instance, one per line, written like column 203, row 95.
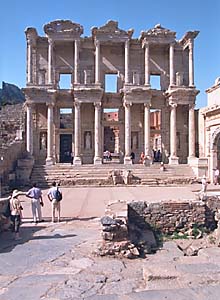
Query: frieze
column 63, row 28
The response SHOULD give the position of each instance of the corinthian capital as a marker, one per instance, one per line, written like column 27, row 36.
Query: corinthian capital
column 97, row 105
column 173, row 104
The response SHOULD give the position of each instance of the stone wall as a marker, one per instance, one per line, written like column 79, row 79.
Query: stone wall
column 12, row 123
column 167, row 217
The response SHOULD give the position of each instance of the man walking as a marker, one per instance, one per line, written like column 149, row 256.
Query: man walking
column 55, row 200
column 36, row 202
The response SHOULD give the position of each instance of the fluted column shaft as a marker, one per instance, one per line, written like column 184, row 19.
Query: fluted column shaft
column 77, row 122
column 172, row 80
column 127, row 107
column 98, row 156
column 147, row 129
column 191, row 64
column 173, row 152
column 29, row 62
column 191, row 131
column 76, row 62
column 50, row 61
column 29, row 130
column 147, row 60
column 49, row 159
column 97, row 61
column 127, row 79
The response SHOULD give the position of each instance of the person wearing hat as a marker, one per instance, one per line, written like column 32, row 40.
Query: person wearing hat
column 16, row 209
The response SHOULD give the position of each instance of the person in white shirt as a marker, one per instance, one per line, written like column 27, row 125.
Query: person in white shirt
column 36, row 202
column 55, row 204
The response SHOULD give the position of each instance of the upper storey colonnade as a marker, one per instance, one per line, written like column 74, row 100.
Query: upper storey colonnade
column 157, row 50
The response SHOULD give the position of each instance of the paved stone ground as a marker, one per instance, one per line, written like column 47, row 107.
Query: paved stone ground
column 56, row 260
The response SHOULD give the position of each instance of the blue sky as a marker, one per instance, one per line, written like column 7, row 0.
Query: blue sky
column 179, row 16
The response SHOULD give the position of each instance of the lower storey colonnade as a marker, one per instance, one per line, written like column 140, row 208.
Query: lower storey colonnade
column 91, row 133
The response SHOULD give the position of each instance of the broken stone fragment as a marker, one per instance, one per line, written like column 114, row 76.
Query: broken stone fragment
column 106, row 220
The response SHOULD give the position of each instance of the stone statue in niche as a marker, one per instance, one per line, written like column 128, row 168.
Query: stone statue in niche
column 87, row 140
column 43, row 142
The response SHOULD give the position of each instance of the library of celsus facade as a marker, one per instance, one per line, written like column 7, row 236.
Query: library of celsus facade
column 61, row 121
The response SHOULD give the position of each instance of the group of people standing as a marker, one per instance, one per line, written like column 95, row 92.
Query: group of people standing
column 35, row 194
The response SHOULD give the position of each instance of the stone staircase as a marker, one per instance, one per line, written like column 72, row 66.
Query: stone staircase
column 68, row 175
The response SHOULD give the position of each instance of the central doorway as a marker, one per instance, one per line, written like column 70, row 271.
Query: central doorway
column 65, row 148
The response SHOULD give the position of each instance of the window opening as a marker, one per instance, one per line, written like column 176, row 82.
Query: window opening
column 65, row 81
column 111, row 83
column 155, row 82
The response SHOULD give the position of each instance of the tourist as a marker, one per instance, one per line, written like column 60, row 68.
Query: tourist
column 16, row 213
column 204, row 184
column 36, row 202
column 141, row 161
column 132, row 156
column 52, row 196
column 216, row 176
column 162, row 167
column 72, row 157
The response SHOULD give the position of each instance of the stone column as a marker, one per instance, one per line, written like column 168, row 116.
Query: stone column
column 191, row 64
column 173, row 159
column 98, row 156
column 147, row 134
column 29, row 130
column 76, row 62
column 172, row 80
column 147, row 60
column 50, row 61
column 77, row 135
column 191, row 131
column 97, row 61
column 127, row 158
column 127, row 79
column 29, row 61
column 50, row 133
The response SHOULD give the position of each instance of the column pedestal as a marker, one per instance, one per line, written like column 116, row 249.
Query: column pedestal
column 127, row 160
column 173, row 160
column 77, row 161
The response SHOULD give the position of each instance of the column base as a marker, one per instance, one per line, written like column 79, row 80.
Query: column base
column 97, row 160
column 173, row 160
column 77, row 161
column 127, row 160
column 49, row 161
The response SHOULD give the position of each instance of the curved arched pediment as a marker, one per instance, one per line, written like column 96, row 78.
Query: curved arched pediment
column 63, row 28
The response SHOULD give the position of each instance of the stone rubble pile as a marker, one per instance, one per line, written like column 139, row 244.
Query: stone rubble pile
column 116, row 239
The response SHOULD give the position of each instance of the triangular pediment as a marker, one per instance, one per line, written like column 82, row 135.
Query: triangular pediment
column 110, row 31
column 159, row 33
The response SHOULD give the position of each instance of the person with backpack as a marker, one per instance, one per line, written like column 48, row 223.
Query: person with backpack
column 55, row 196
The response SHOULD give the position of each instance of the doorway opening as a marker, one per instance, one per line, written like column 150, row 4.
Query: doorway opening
column 65, row 148
column 155, row 135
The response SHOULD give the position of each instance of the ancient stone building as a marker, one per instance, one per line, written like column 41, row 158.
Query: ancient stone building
column 61, row 121
column 209, row 130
